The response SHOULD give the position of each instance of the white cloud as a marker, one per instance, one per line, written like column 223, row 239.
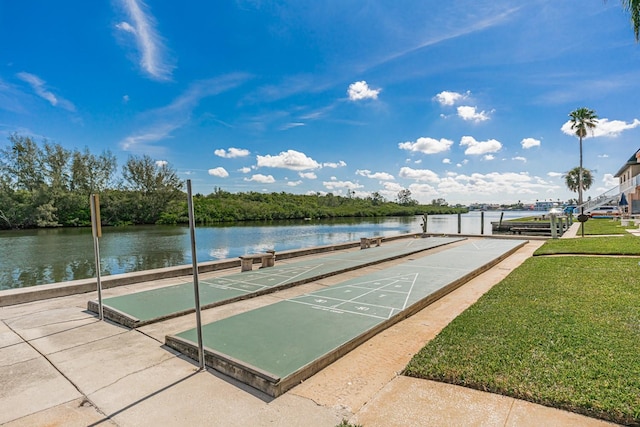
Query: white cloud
column 479, row 147
column 245, row 169
column 609, row 180
column 529, row 143
column 520, row 158
column 231, row 152
column 335, row 184
column 126, row 27
column 466, row 112
column 422, row 191
column 291, row 125
column 153, row 57
column 161, row 163
column 125, row 99
column 603, row 156
column 489, row 157
column 294, row 183
column 392, row 186
column 604, row 127
column 340, row 164
column 419, row 174
column 390, row 189
column 140, row 141
column 39, row 87
column 220, row 172
column 494, row 185
column 291, row 159
column 264, row 179
column 383, row 176
column 162, row 121
column 612, row 128
column 450, row 98
column 360, row 90
column 555, row 174
column 446, row 161
column 426, row 145
column 308, row 175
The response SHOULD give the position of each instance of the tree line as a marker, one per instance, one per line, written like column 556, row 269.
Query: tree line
column 47, row 185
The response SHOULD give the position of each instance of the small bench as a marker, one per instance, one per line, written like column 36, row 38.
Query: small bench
column 366, row 242
column 268, row 259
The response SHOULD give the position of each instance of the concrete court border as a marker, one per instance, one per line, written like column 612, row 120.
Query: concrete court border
column 16, row 296
column 81, row 286
column 130, row 321
column 275, row 386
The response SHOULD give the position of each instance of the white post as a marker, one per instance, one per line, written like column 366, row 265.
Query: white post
column 196, row 288
column 554, row 230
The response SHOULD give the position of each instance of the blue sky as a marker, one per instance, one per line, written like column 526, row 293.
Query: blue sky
column 461, row 100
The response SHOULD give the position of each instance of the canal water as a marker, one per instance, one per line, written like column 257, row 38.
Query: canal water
column 35, row 257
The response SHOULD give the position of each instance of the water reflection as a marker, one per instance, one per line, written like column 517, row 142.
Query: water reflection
column 33, row 257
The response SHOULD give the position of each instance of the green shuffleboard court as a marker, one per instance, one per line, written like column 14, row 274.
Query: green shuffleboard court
column 273, row 348
column 141, row 308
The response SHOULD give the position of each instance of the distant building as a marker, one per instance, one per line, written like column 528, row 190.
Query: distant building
column 544, row 206
column 629, row 176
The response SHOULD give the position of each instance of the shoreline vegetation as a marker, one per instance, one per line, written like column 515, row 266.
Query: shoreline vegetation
column 122, row 208
column 560, row 331
column 47, row 185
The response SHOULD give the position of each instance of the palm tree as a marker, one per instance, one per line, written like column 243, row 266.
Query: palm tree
column 582, row 119
column 633, row 7
column 572, row 179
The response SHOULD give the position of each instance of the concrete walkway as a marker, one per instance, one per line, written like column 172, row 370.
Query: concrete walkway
column 60, row 366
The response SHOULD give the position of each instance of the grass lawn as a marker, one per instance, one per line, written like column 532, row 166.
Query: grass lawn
column 622, row 245
column 559, row 331
column 601, row 226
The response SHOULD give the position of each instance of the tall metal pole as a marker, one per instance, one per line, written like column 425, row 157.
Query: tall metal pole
column 96, row 229
column 196, row 288
column 482, row 222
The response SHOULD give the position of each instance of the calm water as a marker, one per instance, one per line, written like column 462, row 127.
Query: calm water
column 34, row 257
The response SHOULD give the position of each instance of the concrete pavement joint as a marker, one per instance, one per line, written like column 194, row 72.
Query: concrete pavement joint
column 364, row 386
column 109, row 417
column 70, row 329
column 45, row 357
column 175, row 356
column 506, row 421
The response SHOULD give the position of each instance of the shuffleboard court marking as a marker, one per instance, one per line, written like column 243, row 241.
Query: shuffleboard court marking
column 358, row 309
column 275, row 347
column 281, row 275
column 413, row 283
column 153, row 305
column 332, row 303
